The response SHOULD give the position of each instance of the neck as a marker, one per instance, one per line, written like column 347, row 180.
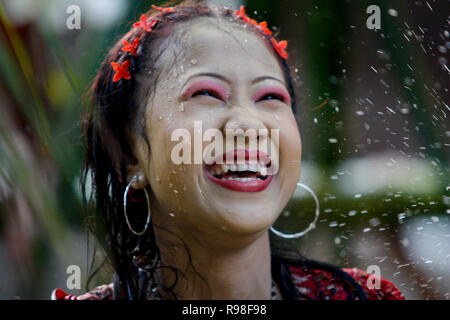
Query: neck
column 210, row 270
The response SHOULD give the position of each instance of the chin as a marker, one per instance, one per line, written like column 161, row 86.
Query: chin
column 243, row 212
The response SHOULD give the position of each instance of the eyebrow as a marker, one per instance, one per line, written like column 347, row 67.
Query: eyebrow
column 225, row 79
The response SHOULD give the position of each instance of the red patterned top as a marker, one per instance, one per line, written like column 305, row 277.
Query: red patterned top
column 311, row 284
column 315, row 284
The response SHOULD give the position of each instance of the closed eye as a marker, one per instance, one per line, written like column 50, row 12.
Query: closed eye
column 272, row 96
column 206, row 92
column 272, row 93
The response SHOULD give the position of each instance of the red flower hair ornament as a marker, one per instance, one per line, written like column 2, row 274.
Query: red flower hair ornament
column 131, row 48
column 163, row 10
column 145, row 24
column 262, row 26
column 121, row 70
column 280, row 47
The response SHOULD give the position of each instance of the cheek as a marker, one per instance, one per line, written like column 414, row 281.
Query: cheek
column 290, row 140
column 290, row 150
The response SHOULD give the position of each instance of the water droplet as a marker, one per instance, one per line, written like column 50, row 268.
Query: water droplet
column 374, row 222
column 333, row 224
column 332, row 140
column 393, row 12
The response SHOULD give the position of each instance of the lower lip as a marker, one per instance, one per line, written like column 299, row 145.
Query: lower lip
column 256, row 185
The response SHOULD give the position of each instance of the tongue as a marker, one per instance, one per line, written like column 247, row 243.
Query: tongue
column 238, row 174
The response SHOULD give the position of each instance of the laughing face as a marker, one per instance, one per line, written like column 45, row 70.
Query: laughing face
column 226, row 82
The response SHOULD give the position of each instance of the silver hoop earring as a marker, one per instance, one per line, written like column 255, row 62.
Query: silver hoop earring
column 125, row 209
column 312, row 225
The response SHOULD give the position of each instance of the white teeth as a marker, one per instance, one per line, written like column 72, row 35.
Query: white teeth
column 240, row 179
column 263, row 171
column 257, row 168
column 242, row 167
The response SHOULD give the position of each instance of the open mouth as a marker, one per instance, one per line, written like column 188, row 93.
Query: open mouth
column 243, row 177
column 239, row 172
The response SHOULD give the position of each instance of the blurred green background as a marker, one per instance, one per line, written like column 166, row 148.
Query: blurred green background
column 376, row 153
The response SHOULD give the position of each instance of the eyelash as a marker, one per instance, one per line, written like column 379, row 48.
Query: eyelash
column 211, row 93
column 203, row 91
column 277, row 96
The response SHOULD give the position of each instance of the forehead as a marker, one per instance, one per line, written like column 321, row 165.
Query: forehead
column 227, row 48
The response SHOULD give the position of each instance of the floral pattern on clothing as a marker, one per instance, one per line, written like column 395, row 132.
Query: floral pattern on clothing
column 315, row 284
column 311, row 284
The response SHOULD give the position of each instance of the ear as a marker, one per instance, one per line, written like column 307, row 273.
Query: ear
column 135, row 171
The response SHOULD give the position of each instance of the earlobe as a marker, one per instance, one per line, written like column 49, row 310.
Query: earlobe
column 136, row 177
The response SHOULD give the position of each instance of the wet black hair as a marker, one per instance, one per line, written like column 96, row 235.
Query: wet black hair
column 113, row 112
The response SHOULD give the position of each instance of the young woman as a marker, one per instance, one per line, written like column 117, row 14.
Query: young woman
column 190, row 229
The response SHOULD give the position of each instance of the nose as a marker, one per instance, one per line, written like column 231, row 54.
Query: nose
column 244, row 131
column 245, row 125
